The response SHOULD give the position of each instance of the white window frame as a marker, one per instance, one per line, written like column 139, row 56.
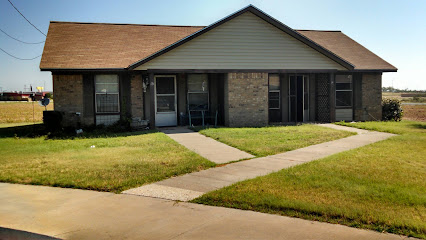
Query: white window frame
column 118, row 95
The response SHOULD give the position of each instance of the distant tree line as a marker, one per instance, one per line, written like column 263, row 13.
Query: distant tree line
column 397, row 90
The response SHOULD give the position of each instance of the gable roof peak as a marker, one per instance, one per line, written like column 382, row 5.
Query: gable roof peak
column 259, row 13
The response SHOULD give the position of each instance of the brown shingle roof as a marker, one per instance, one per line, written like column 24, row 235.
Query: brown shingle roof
column 345, row 47
column 95, row 45
column 72, row 45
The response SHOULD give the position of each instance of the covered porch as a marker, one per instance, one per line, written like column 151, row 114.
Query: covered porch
column 184, row 99
column 239, row 98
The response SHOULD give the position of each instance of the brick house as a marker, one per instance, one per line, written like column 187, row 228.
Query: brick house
column 247, row 69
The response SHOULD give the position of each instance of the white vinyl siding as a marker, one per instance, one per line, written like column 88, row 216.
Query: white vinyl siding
column 245, row 42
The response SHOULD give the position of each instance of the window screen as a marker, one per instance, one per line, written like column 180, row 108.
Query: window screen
column 274, row 100
column 274, row 91
column 107, row 94
column 198, row 92
column 274, row 82
column 343, row 90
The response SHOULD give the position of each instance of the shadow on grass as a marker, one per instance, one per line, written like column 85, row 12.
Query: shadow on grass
column 39, row 130
column 9, row 233
column 418, row 125
column 33, row 130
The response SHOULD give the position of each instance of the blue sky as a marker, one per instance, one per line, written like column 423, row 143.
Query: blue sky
column 394, row 30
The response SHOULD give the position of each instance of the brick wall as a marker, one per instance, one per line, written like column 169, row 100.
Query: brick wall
column 371, row 91
column 246, row 99
column 68, row 98
column 136, row 96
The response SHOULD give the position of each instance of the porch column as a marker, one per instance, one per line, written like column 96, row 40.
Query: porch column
column 246, row 99
column 152, row 100
column 136, row 96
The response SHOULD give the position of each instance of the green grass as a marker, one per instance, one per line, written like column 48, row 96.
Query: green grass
column 381, row 186
column 273, row 140
column 412, row 128
column 116, row 163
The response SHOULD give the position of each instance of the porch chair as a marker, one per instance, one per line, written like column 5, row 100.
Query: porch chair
column 203, row 115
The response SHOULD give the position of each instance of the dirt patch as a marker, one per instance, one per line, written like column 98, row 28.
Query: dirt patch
column 414, row 112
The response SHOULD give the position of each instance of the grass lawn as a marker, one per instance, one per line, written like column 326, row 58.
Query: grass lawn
column 20, row 112
column 272, row 140
column 381, row 186
column 116, row 163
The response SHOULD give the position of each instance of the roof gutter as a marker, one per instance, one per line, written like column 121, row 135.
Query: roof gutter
column 374, row 70
column 84, row 69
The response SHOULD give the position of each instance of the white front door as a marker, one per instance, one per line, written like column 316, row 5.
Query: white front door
column 165, row 101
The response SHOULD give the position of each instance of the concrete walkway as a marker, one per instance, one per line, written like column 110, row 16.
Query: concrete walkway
column 206, row 147
column 80, row 214
column 193, row 185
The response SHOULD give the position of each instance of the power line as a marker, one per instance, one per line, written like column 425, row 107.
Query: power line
column 25, row 17
column 20, row 40
column 18, row 57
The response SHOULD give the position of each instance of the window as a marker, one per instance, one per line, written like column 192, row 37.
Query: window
column 107, row 99
column 274, row 91
column 198, row 92
column 343, row 91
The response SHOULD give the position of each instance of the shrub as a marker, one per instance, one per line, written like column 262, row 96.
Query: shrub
column 119, row 126
column 391, row 110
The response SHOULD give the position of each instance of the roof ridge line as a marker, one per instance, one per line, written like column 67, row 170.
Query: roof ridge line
column 313, row 30
column 134, row 24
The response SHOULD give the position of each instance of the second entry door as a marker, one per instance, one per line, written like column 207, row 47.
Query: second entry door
column 165, row 101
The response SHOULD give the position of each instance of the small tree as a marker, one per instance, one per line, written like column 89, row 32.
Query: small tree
column 391, row 110
column 48, row 95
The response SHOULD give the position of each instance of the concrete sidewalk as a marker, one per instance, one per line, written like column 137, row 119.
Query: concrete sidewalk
column 193, row 185
column 80, row 214
column 206, row 147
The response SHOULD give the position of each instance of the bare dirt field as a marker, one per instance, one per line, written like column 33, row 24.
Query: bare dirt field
column 414, row 112
column 406, row 97
column 21, row 112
